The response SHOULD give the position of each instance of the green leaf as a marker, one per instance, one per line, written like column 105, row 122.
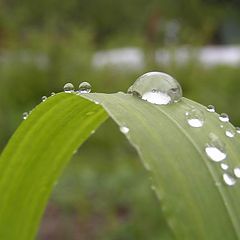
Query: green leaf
column 196, row 202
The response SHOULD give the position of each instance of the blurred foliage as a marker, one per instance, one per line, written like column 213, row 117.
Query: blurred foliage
column 104, row 193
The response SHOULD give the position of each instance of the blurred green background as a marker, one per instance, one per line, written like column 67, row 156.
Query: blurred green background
column 105, row 193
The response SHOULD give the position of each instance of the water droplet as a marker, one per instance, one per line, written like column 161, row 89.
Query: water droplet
column 96, row 102
column 68, row 88
column 211, row 108
column 228, row 179
column 157, row 87
column 237, row 172
column 25, row 115
column 215, row 149
column 238, row 129
column 124, row 129
column 44, row 98
column 221, row 126
column 230, row 133
column 53, row 93
column 224, row 117
column 85, row 87
column 224, row 166
column 195, row 117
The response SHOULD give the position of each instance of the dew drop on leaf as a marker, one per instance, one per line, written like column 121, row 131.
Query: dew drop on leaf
column 53, row 93
column 44, row 98
column 223, row 117
column 68, row 88
column 230, row 133
column 228, row 179
column 124, row 129
column 224, row 166
column 237, row 172
column 211, row 108
column 157, row 88
column 215, row 149
column 238, row 129
column 25, row 115
column 195, row 118
column 85, row 87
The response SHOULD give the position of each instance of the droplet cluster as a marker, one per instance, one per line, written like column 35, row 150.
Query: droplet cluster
column 84, row 87
column 162, row 89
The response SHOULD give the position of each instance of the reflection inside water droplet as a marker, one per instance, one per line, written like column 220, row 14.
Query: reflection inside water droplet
column 215, row 149
column 25, row 115
column 44, row 98
column 195, row 117
column 211, row 108
column 68, row 88
column 85, row 87
column 229, row 179
column 237, row 172
column 224, row 166
column 230, row 133
column 157, row 88
column 223, row 117
column 238, row 129
column 124, row 129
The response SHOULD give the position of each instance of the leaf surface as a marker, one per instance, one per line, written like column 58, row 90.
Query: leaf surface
column 196, row 202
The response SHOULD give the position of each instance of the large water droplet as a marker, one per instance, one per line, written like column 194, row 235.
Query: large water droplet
column 85, row 87
column 224, row 117
column 237, row 172
column 25, row 115
column 215, row 149
column 157, row 87
column 195, row 117
column 224, row 166
column 228, row 179
column 44, row 98
column 211, row 108
column 68, row 88
column 229, row 133
column 124, row 129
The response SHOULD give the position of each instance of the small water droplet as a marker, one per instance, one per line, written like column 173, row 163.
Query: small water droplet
column 157, row 88
column 44, row 98
column 25, row 115
column 68, row 88
column 228, row 179
column 221, row 126
column 230, row 133
column 211, row 108
column 124, row 129
column 224, row 166
column 85, row 87
column 224, row 117
column 195, row 118
column 215, row 149
column 238, row 129
column 96, row 102
column 53, row 93
column 237, row 172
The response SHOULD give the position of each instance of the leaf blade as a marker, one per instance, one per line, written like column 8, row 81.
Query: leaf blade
column 27, row 181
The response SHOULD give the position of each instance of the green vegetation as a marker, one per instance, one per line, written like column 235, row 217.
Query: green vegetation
column 182, row 179
column 45, row 44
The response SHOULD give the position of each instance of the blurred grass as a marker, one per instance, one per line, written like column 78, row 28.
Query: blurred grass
column 77, row 210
